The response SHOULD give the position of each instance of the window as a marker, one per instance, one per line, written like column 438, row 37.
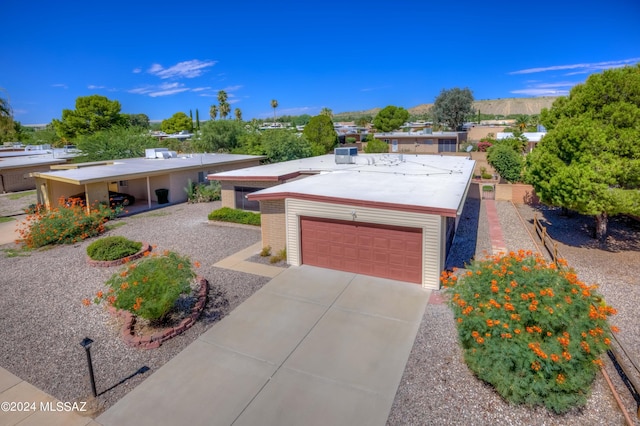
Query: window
column 447, row 145
column 124, row 183
column 242, row 203
column 201, row 177
column 394, row 145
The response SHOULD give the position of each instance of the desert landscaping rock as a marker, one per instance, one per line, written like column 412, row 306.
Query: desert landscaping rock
column 43, row 319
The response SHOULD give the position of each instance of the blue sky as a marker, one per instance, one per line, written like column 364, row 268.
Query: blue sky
column 159, row 58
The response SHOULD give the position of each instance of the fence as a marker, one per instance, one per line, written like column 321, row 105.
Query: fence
column 547, row 241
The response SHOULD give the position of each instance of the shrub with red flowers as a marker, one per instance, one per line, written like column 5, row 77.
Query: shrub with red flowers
column 530, row 328
column 68, row 223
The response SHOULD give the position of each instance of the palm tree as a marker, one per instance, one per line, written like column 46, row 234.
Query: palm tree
column 522, row 121
column 225, row 109
column 213, row 112
column 274, row 105
column 238, row 114
column 222, row 96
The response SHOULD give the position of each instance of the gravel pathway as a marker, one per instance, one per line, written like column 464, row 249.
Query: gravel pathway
column 437, row 388
column 43, row 320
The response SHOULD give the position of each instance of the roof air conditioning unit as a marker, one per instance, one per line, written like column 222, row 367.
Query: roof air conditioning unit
column 346, row 155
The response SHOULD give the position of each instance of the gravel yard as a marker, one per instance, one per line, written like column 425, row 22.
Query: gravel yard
column 437, row 388
column 42, row 319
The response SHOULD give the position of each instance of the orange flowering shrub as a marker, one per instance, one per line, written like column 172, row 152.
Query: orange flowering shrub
column 66, row 224
column 149, row 288
column 530, row 328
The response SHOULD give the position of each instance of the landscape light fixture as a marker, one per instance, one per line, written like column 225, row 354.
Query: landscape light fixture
column 86, row 344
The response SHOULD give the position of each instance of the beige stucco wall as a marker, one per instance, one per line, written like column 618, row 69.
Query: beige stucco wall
column 18, row 179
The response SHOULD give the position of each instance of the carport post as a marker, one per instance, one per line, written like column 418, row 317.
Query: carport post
column 148, row 193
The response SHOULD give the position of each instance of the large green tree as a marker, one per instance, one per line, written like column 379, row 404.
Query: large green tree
column 277, row 144
column 390, row 118
column 92, row 114
column 452, row 107
column 321, row 133
column 115, row 142
column 7, row 126
column 138, row 120
column 589, row 161
column 224, row 108
column 219, row 136
column 178, row 122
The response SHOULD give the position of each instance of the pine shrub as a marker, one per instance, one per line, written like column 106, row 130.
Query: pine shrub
column 112, row 248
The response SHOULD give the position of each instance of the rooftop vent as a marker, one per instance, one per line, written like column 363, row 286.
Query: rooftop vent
column 153, row 153
column 346, row 155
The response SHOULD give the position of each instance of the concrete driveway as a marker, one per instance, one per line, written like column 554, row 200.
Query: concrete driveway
column 312, row 347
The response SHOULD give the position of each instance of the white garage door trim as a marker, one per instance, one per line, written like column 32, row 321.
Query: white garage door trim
column 431, row 225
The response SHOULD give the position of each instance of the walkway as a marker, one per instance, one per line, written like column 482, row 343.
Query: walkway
column 313, row 346
column 41, row 408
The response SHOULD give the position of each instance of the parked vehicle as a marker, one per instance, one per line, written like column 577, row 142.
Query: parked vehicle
column 115, row 199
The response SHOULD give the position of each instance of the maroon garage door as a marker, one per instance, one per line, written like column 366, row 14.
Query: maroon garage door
column 364, row 248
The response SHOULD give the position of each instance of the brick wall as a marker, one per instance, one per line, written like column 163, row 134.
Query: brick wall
column 227, row 192
column 273, row 224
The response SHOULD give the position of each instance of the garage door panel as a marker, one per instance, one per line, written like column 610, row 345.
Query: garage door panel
column 383, row 251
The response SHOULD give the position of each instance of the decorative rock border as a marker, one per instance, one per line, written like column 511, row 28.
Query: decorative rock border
column 107, row 263
column 156, row 339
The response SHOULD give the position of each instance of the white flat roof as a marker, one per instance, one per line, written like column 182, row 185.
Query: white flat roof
column 130, row 168
column 428, row 183
column 29, row 161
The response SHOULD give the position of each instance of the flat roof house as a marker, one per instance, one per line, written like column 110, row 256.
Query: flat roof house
column 423, row 142
column 387, row 215
column 139, row 177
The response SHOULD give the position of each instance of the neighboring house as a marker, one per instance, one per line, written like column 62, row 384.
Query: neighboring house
column 386, row 215
column 16, row 165
column 140, row 177
column 532, row 138
column 423, row 142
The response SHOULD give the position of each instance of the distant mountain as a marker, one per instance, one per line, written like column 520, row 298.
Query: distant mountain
column 506, row 106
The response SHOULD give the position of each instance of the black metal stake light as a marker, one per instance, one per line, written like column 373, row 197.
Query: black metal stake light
column 86, row 344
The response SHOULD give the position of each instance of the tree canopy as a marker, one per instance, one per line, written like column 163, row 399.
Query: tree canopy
column 277, row 144
column 452, row 107
column 7, row 126
column 589, row 161
column 178, row 122
column 221, row 135
column 390, row 118
column 321, row 133
column 376, row 146
column 92, row 114
column 114, row 143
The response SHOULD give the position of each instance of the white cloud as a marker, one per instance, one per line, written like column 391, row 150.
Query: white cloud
column 200, row 89
column 93, row 86
column 186, row 69
column 583, row 68
column 540, row 92
column 137, row 70
column 64, row 86
column 164, row 89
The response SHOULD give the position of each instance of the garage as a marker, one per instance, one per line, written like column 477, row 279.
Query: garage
column 385, row 251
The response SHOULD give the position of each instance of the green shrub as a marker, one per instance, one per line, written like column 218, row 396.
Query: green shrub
column 266, row 251
column 66, row 224
column 112, row 248
column 280, row 256
column 530, row 329
column 376, row 146
column 203, row 192
column 151, row 287
column 506, row 161
column 226, row 214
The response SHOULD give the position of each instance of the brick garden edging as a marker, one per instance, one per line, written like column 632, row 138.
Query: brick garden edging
column 107, row 263
column 156, row 339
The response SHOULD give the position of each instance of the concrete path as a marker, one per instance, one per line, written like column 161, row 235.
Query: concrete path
column 23, row 404
column 313, row 346
column 8, row 229
column 495, row 230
